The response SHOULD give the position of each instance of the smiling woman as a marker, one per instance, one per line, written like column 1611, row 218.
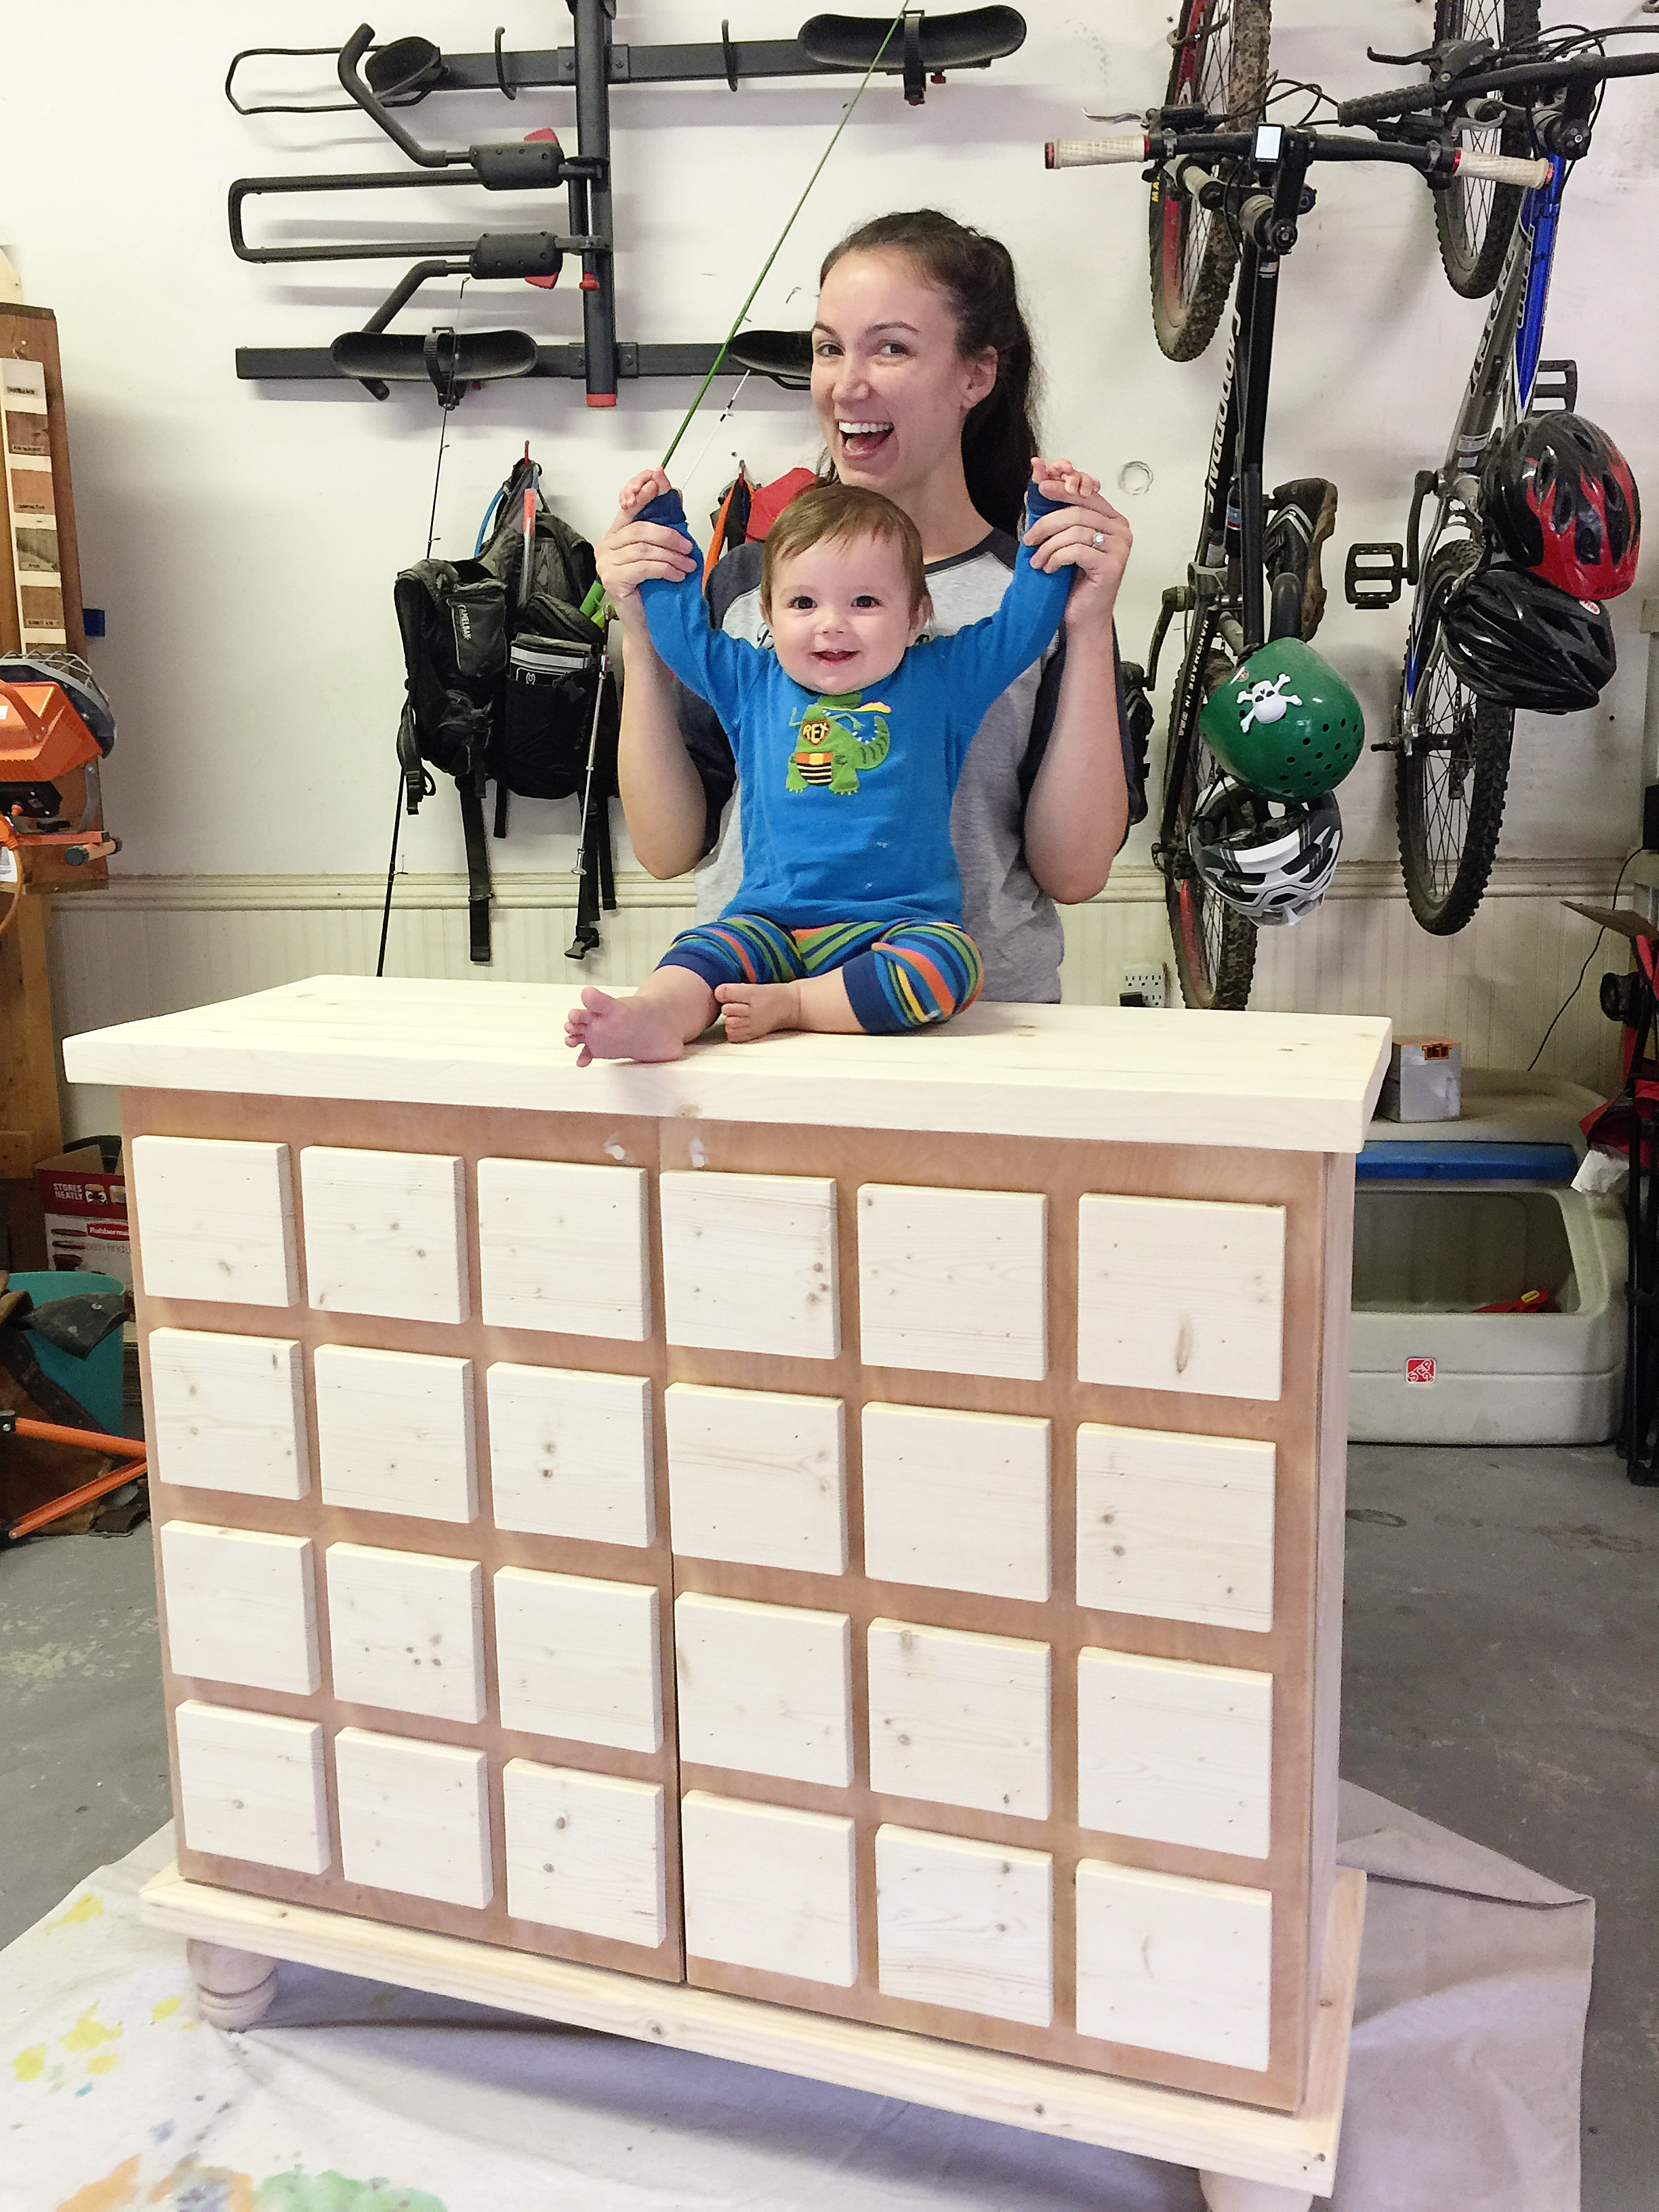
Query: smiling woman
column 923, row 381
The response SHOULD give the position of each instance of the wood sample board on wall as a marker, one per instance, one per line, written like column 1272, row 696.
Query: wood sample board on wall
column 888, row 1572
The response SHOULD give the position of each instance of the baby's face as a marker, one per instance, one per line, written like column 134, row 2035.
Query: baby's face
column 841, row 614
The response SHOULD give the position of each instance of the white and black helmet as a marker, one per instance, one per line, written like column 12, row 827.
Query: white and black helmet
column 1272, row 858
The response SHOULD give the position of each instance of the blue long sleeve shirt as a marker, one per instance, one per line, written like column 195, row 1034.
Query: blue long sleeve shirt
column 847, row 796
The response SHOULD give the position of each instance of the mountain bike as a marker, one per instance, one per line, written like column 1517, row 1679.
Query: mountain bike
column 1256, row 572
column 1532, row 98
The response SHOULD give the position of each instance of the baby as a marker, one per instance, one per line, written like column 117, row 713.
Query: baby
column 849, row 738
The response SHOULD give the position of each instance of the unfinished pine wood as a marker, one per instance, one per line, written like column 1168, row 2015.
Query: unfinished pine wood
column 758, row 1476
column 958, row 1718
column 765, row 1688
column 579, row 1657
column 770, row 1886
column 1178, row 1753
column 1173, row 1295
column 406, row 1630
column 957, row 1501
column 563, row 1246
column 570, row 1454
column 1173, row 1964
column 240, row 1607
column 216, row 1220
column 954, row 1281
column 251, row 1786
column 966, row 1924
column 394, row 1432
column 1178, row 1527
column 386, row 1233
column 586, row 1852
column 749, row 1262
column 414, row 1816
column 227, row 1412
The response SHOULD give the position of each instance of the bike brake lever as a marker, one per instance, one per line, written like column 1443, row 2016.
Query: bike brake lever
column 1399, row 61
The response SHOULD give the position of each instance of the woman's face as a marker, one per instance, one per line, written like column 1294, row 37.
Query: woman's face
column 890, row 389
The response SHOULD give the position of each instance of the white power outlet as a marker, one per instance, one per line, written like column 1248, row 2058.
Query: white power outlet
column 1143, row 983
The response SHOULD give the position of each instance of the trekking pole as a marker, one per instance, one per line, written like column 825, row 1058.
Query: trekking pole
column 581, row 943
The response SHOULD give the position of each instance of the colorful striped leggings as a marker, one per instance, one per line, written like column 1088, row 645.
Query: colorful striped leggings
column 899, row 975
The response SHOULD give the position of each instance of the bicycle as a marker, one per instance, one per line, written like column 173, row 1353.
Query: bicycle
column 1451, row 747
column 1254, row 574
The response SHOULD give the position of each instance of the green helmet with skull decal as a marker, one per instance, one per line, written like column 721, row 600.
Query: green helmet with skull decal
column 1285, row 722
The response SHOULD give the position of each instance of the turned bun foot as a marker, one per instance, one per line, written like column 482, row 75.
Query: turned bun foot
column 234, row 1989
column 1226, row 2192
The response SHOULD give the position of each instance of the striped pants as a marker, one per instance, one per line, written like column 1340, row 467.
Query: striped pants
column 899, row 975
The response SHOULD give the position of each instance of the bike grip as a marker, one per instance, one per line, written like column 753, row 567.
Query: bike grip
column 1502, row 168
column 1083, row 153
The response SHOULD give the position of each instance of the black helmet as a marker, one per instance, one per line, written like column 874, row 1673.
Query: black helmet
column 1517, row 641
column 1270, row 859
column 1559, row 499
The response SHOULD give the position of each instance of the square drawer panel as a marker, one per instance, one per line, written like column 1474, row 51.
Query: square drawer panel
column 386, row 1233
column 749, row 1262
column 570, row 1454
column 1178, row 1527
column 768, row 1886
column 955, row 1281
column 765, row 1688
column 957, row 1501
column 959, row 1718
column 414, row 1817
column 758, row 1476
column 1178, row 1753
column 563, row 1246
column 578, row 1657
column 216, row 1220
column 1180, row 1294
column 966, row 1925
column 394, row 1432
column 251, row 1787
column 240, row 1607
column 1174, row 1965
column 227, row 1412
column 406, row 1630
column 585, row 1852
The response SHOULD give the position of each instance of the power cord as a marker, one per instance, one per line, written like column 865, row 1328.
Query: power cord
column 1584, row 970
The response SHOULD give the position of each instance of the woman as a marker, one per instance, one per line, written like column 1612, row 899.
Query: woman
column 922, row 381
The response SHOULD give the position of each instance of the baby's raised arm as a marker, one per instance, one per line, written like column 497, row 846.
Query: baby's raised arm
column 632, row 551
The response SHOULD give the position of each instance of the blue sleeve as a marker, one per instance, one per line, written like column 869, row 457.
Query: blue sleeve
column 720, row 669
column 979, row 663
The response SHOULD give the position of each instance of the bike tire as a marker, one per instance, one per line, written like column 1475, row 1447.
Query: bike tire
column 1214, row 945
column 1220, row 55
column 1450, row 792
column 1473, row 218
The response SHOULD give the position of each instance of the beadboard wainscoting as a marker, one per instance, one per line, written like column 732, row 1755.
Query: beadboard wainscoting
column 152, row 944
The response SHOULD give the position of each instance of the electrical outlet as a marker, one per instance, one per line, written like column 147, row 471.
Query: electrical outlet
column 1143, row 983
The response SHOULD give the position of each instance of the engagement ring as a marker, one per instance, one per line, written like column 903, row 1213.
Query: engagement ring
column 1098, row 539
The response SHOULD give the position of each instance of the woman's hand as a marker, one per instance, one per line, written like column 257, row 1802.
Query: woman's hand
column 1088, row 534
column 631, row 551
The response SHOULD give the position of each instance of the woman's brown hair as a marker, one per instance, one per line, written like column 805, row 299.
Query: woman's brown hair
column 977, row 275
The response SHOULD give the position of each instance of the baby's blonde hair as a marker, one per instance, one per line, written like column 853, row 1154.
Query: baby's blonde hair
column 842, row 511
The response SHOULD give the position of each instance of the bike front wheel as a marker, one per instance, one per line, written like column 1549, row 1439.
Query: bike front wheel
column 1214, row 943
column 1452, row 771
column 1221, row 65
column 1475, row 218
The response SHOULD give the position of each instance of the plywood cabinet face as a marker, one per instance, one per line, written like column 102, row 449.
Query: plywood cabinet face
column 579, row 1657
column 386, row 1233
column 966, row 1925
column 1176, row 1965
column 960, row 1718
column 758, row 1477
column 957, row 1501
column 570, row 1454
column 1175, row 1527
column 586, row 1852
column 414, row 1816
column 564, row 1246
column 240, row 1607
column 1174, row 1752
column 216, row 1220
column 954, row 1281
column 251, row 1786
column 227, row 1412
column 1176, row 1294
column 766, row 1689
column 769, row 1886
column 749, row 1263
column 394, row 1432
column 406, row 1630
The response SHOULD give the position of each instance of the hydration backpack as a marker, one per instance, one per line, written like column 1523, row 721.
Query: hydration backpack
column 505, row 680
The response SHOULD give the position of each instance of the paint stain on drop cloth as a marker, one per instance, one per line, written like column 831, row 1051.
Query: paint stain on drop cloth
column 29, row 2065
column 336, row 2192
column 88, row 2032
column 90, row 1907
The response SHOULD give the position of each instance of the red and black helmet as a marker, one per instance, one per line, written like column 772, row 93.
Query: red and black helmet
column 1559, row 499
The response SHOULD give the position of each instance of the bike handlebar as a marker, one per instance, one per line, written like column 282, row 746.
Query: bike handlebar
column 1515, row 77
column 1137, row 146
column 1081, row 153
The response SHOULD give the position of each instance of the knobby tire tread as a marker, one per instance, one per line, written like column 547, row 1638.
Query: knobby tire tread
column 1474, row 278
column 1494, row 730
column 1183, row 333
column 1229, row 987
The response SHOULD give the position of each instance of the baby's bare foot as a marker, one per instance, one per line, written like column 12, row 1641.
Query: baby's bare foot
column 755, row 1010
column 603, row 1027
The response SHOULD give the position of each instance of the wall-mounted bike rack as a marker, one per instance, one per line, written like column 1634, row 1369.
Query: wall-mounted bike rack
column 386, row 81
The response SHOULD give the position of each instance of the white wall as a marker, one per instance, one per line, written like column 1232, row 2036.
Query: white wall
column 244, row 539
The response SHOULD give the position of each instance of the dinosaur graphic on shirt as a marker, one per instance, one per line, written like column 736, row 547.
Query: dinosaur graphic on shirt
column 829, row 749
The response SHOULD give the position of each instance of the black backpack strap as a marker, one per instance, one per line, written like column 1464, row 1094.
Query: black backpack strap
column 477, row 867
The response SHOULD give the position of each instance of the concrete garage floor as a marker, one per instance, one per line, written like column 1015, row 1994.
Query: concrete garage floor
column 1503, row 1653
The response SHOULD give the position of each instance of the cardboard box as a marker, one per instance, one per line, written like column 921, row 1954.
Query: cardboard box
column 1424, row 1081
column 85, row 1204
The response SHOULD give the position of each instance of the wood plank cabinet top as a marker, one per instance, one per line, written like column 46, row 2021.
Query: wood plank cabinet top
column 1276, row 1082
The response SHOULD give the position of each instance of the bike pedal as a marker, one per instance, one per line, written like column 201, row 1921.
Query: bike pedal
column 1374, row 576
column 1554, row 388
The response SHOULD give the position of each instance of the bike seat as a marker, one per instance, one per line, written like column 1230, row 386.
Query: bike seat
column 927, row 43
column 784, row 355
column 449, row 361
